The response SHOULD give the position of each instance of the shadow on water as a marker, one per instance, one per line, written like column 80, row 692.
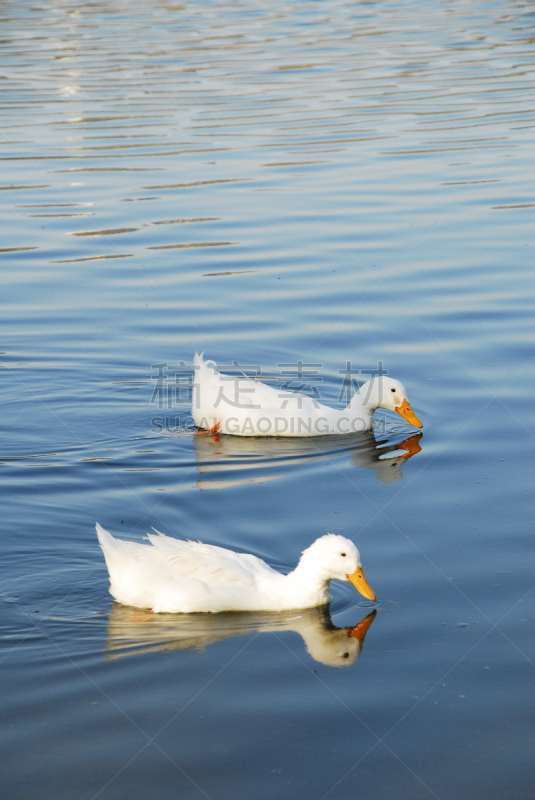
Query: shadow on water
column 133, row 631
column 234, row 454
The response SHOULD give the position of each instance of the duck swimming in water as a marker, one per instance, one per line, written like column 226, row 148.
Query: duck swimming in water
column 244, row 407
column 170, row 575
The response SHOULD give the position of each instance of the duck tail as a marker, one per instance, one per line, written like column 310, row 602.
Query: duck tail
column 198, row 360
column 109, row 545
column 105, row 539
column 203, row 367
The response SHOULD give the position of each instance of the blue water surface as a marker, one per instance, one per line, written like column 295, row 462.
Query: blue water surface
column 347, row 185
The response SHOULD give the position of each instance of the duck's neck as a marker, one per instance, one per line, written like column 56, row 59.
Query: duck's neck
column 360, row 409
column 309, row 587
column 366, row 397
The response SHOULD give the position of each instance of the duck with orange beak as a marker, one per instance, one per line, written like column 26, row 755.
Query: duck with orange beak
column 240, row 406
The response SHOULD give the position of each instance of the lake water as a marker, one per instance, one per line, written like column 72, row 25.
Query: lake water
column 346, row 185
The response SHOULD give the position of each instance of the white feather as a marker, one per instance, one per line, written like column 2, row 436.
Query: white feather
column 177, row 576
column 240, row 406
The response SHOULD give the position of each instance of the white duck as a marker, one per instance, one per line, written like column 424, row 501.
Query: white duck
column 244, row 407
column 170, row 575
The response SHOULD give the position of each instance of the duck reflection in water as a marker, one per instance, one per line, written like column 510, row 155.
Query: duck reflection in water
column 133, row 631
column 218, row 453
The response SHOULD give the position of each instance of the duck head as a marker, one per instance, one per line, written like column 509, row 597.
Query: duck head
column 333, row 556
column 384, row 392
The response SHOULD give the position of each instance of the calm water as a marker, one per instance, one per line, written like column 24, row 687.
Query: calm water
column 317, row 182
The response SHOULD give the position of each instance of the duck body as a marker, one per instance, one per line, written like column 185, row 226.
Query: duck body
column 243, row 407
column 171, row 575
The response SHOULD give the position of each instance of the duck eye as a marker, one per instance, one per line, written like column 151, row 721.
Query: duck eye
column 343, row 554
column 392, row 390
column 346, row 655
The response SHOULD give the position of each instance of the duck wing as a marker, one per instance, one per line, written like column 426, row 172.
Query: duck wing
column 220, row 392
column 211, row 564
column 213, row 389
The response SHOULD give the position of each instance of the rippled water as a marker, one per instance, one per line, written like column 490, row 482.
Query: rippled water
column 349, row 185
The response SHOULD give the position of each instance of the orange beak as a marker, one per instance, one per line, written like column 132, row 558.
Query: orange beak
column 361, row 584
column 361, row 628
column 407, row 413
